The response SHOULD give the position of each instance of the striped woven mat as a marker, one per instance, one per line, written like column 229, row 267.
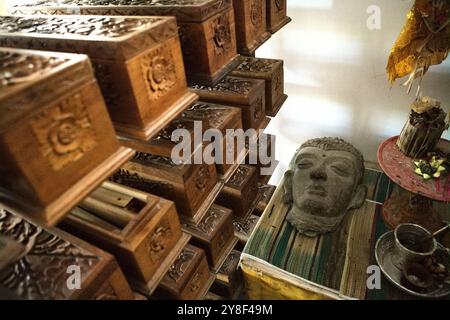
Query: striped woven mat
column 339, row 260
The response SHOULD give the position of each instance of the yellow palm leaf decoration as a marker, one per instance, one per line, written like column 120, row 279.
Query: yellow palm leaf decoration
column 424, row 40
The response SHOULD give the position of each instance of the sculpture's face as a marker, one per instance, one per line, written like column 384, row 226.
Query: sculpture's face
column 324, row 182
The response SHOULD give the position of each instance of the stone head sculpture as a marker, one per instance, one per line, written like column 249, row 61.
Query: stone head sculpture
column 323, row 182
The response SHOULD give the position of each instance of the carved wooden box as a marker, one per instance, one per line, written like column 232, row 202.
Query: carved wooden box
column 192, row 187
column 206, row 28
column 265, row 193
column 276, row 15
column 251, row 29
column 141, row 230
column 188, row 278
column 214, row 234
column 137, row 61
column 243, row 228
column 220, row 117
column 269, row 70
column 239, row 192
column 51, row 263
column 57, row 141
column 247, row 94
column 229, row 282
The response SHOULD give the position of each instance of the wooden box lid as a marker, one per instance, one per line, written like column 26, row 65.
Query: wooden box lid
column 260, row 68
column 181, row 271
column 107, row 38
column 241, row 177
column 231, row 90
column 183, row 10
column 208, row 227
column 161, row 144
column 25, row 74
column 48, row 256
column 214, row 116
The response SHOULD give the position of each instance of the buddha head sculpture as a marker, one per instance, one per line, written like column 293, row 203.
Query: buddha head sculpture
column 323, row 182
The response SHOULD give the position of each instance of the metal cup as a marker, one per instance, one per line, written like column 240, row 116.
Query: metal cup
column 410, row 245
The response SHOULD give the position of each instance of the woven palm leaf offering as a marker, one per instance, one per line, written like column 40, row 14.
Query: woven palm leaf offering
column 423, row 42
column 424, row 128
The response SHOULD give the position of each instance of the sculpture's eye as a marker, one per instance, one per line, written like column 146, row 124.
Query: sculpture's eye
column 341, row 170
column 305, row 164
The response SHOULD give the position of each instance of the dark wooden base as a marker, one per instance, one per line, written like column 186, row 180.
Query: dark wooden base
column 239, row 160
column 212, row 80
column 250, row 51
column 230, row 246
column 277, row 106
column 283, row 22
column 53, row 213
column 157, row 124
column 409, row 208
column 207, row 203
column 148, row 288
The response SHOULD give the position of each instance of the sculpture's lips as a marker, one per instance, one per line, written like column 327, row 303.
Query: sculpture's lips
column 317, row 190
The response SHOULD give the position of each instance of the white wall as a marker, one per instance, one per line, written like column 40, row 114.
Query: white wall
column 335, row 76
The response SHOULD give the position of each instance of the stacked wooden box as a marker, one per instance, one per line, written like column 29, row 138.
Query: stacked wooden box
column 171, row 225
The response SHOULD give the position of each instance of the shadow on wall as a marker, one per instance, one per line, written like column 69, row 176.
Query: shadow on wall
column 335, row 76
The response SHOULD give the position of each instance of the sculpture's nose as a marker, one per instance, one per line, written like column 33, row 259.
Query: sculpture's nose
column 319, row 173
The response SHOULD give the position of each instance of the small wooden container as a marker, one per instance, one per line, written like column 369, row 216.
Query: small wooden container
column 263, row 166
column 239, row 192
column 251, row 29
column 247, row 94
column 141, row 230
column 137, row 61
column 229, row 282
column 276, row 15
column 206, row 28
column 265, row 192
column 220, row 117
column 192, row 187
column 243, row 228
column 56, row 139
column 52, row 258
column 214, row 234
column 272, row 72
column 188, row 278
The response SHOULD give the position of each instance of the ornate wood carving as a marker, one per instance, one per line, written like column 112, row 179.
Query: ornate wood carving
column 229, row 84
column 239, row 176
column 106, row 292
column 214, row 115
column 159, row 240
column 134, row 180
column 64, row 132
column 229, row 266
column 184, row 10
column 256, row 14
column 222, row 34
column 77, row 29
column 178, row 268
column 159, row 72
column 250, row 64
column 150, row 159
column 202, row 178
column 246, row 225
column 16, row 68
column 42, row 272
column 110, row 27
